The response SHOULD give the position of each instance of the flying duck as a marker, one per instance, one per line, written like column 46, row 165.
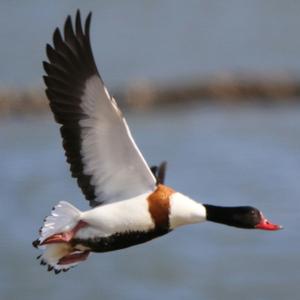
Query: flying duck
column 129, row 202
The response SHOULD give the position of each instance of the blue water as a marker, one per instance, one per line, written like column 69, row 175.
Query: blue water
column 221, row 155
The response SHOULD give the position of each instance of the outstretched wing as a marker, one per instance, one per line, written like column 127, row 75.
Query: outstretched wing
column 97, row 141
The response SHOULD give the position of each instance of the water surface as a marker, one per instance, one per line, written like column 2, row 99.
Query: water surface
column 226, row 156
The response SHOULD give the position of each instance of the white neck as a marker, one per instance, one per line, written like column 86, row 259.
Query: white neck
column 184, row 210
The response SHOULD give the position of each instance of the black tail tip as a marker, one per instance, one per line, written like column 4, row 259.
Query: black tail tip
column 36, row 243
column 50, row 268
column 43, row 263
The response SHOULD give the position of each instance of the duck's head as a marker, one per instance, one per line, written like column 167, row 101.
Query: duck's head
column 240, row 216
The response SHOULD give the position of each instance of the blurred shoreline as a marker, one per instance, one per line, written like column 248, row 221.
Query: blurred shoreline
column 225, row 88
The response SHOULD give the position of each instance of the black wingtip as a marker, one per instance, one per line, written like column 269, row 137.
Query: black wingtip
column 49, row 52
column 78, row 15
column 68, row 29
column 162, row 172
column 46, row 66
column 88, row 24
column 46, row 81
column 154, row 170
column 78, row 25
column 89, row 16
column 159, row 172
column 48, row 48
column 57, row 38
column 68, row 21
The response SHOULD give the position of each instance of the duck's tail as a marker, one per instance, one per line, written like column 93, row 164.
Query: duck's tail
column 56, row 238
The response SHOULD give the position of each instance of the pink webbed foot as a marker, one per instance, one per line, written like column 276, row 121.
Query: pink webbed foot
column 74, row 257
column 64, row 237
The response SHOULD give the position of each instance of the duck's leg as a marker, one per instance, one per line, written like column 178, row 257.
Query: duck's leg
column 74, row 257
column 64, row 237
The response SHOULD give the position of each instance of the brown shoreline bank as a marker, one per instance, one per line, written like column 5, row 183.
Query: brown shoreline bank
column 223, row 89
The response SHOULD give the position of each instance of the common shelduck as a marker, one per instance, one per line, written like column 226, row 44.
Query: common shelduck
column 130, row 204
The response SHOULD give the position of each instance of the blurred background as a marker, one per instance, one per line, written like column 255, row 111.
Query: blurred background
column 210, row 86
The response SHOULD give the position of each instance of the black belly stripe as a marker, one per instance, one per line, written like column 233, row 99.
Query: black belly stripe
column 119, row 240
